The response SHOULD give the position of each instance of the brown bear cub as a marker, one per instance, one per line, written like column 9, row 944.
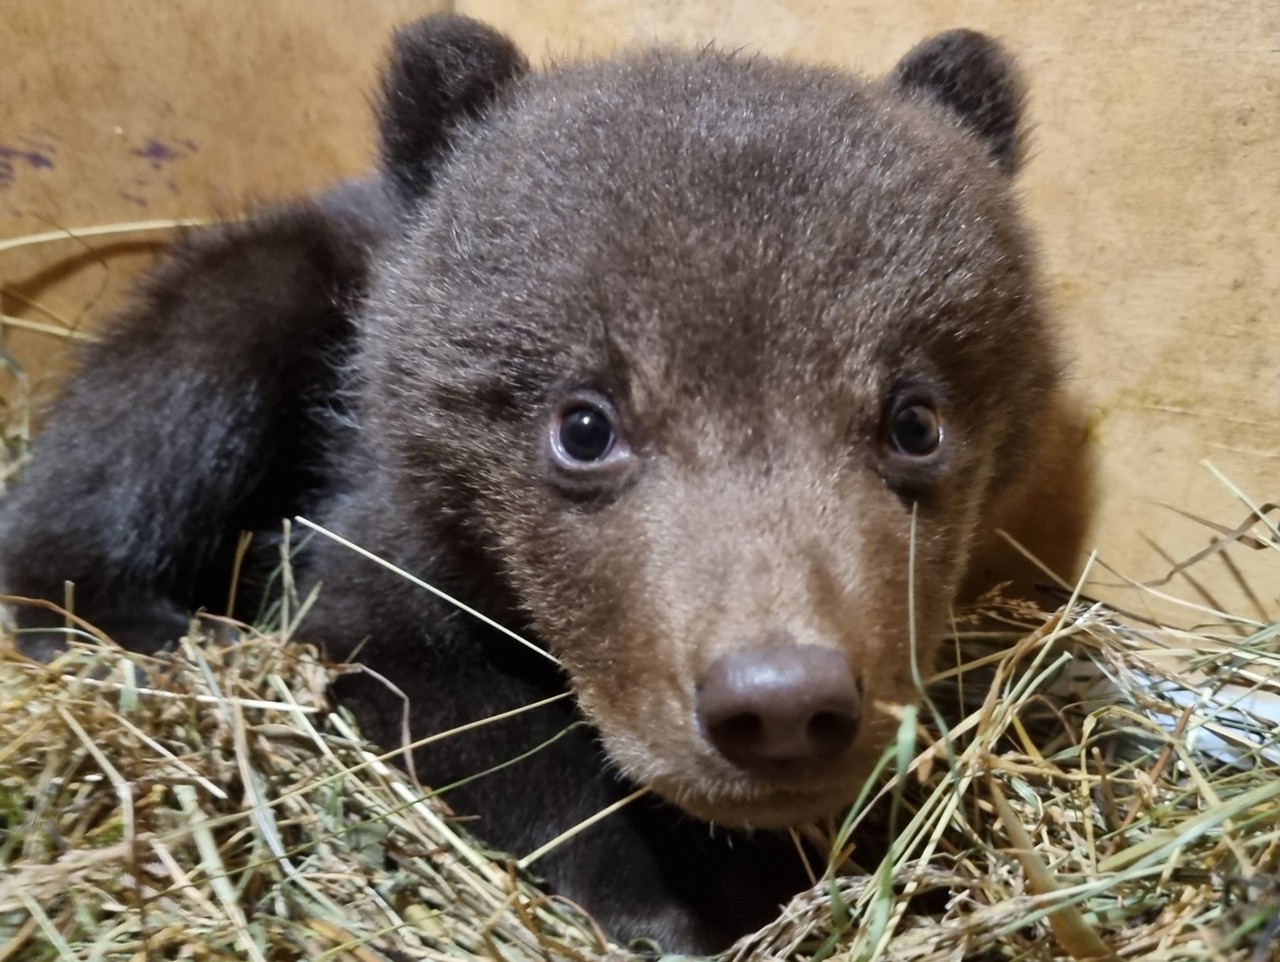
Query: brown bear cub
column 654, row 360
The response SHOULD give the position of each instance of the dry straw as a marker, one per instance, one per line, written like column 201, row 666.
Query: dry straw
column 1080, row 785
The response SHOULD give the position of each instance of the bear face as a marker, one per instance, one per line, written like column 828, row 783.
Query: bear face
column 748, row 279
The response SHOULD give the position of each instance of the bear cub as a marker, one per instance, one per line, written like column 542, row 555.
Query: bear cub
column 670, row 362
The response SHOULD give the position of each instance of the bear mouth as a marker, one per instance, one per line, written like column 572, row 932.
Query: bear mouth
column 751, row 804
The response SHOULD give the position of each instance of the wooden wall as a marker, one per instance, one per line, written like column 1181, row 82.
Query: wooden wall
column 1154, row 179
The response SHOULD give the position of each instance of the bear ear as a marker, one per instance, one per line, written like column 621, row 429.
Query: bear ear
column 976, row 80
column 443, row 70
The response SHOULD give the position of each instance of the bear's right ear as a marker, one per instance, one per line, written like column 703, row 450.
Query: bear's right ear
column 444, row 69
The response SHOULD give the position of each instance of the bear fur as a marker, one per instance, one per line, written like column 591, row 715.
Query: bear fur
column 748, row 270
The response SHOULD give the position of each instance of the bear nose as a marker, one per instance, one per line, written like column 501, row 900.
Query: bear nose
column 781, row 710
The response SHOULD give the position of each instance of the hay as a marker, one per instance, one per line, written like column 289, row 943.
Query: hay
column 217, row 810
column 1081, row 785
column 81, row 234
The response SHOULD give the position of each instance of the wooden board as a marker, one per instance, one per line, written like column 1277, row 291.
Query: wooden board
column 127, row 111
column 1153, row 181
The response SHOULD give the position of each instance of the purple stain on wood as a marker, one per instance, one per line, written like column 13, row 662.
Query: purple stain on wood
column 155, row 150
column 159, row 153
column 134, row 198
column 11, row 158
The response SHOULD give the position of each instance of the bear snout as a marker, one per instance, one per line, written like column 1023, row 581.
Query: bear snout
column 783, row 712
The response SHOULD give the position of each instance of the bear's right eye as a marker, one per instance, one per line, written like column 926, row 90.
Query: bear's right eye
column 588, row 448
column 586, row 434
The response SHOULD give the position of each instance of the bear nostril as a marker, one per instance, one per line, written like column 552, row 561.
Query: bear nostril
column 780, row 711
column 740, row 731
column 830, row 732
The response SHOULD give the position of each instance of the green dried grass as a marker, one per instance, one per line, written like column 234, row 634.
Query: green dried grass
column 1098, row 793
column 218, row 810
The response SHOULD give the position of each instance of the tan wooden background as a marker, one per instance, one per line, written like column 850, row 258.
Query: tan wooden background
column 1155, row 182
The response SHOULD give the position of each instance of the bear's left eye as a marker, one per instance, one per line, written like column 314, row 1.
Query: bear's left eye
column 913, row 454
column 585, row 434
column 915, row 430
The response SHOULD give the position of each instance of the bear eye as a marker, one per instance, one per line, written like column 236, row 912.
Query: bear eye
column 587, row 451
column 587, row 446
column 915, row 430
column 585, row 433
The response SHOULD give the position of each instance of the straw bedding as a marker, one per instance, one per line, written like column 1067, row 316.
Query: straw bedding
column 1080, row 784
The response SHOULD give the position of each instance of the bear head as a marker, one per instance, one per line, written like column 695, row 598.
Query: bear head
column 720, row 363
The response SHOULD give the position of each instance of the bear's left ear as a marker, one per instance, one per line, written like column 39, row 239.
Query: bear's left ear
column 444, row 69
column 976, row 80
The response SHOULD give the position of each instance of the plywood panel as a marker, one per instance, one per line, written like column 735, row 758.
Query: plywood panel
column 1155, row 182
column 134, row 111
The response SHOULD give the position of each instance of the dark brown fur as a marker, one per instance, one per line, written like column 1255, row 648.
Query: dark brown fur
column 750, row 260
